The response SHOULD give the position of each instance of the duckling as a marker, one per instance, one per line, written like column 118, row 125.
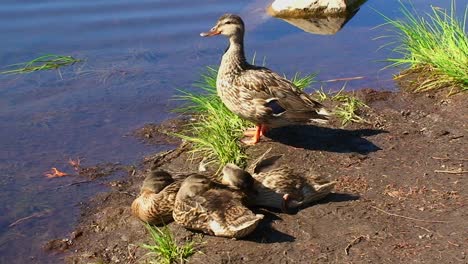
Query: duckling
column 157, row 197
column 280, row 187
column 206, row 206
column 256, row 93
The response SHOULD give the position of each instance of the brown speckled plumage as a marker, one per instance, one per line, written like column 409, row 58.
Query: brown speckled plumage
column 208, row 207
column 302, row 189
column 257, row 93
column 272, row 183
column 156, row 200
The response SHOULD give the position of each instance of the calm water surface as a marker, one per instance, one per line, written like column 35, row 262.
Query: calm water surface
column 137, row 53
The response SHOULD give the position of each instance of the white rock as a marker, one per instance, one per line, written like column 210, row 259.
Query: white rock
column 324, row 7
column 280, row 5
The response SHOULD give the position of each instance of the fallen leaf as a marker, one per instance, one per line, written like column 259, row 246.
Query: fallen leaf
column 54, row 173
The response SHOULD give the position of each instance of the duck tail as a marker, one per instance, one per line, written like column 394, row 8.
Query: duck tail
column 247, row 225
column 317, row 190
column 322, row 116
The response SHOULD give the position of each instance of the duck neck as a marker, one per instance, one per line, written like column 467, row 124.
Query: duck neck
column 234, row 57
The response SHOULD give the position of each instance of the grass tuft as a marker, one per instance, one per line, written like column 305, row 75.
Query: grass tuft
column 436, row 43
column 348, row 107
column 216, row 131
column 46, row 62
column 166, row 248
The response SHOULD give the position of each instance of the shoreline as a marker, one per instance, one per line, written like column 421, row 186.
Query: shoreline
column 395, row 199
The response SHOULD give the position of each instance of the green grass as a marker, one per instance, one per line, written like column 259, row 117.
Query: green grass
column 165, row 247
column 216, row 131
column 435, row 43
column 46, row 62
column 348, row 107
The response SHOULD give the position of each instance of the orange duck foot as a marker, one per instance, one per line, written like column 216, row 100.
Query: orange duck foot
column 256, row 133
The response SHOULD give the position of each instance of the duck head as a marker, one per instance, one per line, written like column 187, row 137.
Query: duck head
column 156, row 181
column 228, row 25
column 237, row 178
column 194, row 185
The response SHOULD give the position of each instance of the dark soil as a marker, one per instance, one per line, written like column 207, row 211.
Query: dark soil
column 400, row 195
column 159, row 133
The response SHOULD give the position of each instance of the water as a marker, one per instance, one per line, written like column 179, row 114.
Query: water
column 137, row 53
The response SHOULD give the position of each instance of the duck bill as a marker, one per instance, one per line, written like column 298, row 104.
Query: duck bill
column 210, row 33
column 284, row 204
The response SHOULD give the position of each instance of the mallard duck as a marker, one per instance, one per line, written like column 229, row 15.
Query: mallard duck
column 280, row 186
column 203, row 205
column 256, row 93
column 157, row 196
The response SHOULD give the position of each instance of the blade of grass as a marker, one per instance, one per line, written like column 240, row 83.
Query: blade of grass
column 45, row 62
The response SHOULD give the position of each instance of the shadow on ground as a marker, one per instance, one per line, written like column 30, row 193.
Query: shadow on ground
column 265, row 233
column 326, row 139
column 338, row 198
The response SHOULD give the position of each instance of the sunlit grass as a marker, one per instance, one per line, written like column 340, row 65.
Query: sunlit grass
column 216, row 132
column 46, row 62
column 348, row 108
column 165, row 247
column 435, row 43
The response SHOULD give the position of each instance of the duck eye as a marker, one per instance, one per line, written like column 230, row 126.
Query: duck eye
column 228, row 22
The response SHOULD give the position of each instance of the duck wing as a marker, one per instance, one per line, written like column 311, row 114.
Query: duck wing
column 156, row 208
column 282, row 180
column 280, row 96
column 229, row 217
column 192, row 214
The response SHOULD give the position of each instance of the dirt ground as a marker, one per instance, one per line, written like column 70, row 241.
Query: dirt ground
column 400, row 196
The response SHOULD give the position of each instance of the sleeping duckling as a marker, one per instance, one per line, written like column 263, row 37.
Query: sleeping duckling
column 206, row 206
column 157, row 197
column 280, row 187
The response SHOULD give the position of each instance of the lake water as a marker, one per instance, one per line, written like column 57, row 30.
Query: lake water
column 137, row 53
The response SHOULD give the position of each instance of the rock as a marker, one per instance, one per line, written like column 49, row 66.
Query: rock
column 60, row 245
column 324, row 17
column 308, row 8
column 124, row 238
column 76, row 234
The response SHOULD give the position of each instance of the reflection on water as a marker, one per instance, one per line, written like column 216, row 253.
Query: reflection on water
column 322, row 25
column 137, row 53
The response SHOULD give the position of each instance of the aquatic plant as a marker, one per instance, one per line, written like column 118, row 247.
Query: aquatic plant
column 45, row 62
column 215, row 131
column 435, row 44
column 165, row 247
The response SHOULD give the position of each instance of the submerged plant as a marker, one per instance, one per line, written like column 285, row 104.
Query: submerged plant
column 216, row 131
column 436, row 44
column 166, row 248
column 46, row 62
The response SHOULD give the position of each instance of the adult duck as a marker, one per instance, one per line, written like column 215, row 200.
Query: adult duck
column 279, row 187
column 257, row 93
column 203, row 205
column 155, row 203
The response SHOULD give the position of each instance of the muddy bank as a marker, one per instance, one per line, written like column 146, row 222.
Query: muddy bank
column 400, row 195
